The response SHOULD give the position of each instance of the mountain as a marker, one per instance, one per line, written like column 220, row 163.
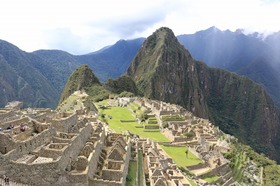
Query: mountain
column 121, row 84
column 164, row 70
column 20, row 80
column 38, row 78
column 55, row 65
column 248, row 55
column 80, row 79
column 112, row 61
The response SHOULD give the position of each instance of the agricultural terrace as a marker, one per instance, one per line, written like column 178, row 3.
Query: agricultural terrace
column 121, row 119
column 178, row 154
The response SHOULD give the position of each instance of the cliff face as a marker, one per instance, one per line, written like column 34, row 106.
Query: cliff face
column 164, row 70
column 80, row 79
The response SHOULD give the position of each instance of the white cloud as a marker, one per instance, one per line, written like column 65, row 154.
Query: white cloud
column 86, row 25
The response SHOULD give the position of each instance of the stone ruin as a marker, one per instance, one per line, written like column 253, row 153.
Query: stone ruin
column 160, row 169
column 45, row 147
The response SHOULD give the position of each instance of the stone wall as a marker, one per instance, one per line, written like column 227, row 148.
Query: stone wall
column 198, row 166
column 64, row 123
column 194, row 152
column 50, row 172
column 93, row 160
column 6, row 143
column 126, row 161
column 27, row 146
column 168, row 134
column 100, row 182
column 5, row 114
column 14, row 122
column 218, row 171
column 112, row 175
column 44, row 116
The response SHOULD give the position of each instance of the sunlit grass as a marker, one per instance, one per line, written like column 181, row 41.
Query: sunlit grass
column 120, row 113
column 211, row 179
column 178, row 154
column 132, row 169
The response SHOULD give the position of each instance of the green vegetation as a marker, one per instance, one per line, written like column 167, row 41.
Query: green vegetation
column 126, row 94
column 178, row 154
column 80, row 79
column 119, row 113
column 211, row 179
column 234, row 103
column 131, row 176
column 192, row 182
column 140, row 168
column 271, row 175
column 97, row 92
column 70, row 104
column 239, row 154
column 122, row 84
column 189, row 135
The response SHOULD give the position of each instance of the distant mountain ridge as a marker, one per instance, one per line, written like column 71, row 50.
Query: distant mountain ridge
column 37, row 78
column 249, row 55
column 112, row 62
column 164, row 70
column 20, row 80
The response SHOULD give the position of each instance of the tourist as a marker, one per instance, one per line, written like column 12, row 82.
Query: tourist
column 23, row 127
column 7, row 180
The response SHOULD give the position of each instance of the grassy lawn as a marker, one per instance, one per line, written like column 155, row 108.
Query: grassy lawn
column 178, row 154
column 120, row 113
column 211, row 179
column 140, row 168
column 131, row 176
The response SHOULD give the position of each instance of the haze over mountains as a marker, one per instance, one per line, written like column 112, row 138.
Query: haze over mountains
column 38, row 78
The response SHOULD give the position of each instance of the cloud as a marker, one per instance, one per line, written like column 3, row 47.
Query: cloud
column 85, row 26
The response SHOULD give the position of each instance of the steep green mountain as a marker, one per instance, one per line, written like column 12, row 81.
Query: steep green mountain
column 80, row 79
column 112, row 61
column 164, row 70
column 21, row 81
column 121, row 84
column 248, row 55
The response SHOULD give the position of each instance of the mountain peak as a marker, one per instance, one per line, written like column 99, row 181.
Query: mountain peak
column 81, row 78
column 154, row 66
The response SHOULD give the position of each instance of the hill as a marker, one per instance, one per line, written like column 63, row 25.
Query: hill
column 164, row 70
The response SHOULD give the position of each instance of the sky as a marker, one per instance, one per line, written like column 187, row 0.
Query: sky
column 84, row 26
